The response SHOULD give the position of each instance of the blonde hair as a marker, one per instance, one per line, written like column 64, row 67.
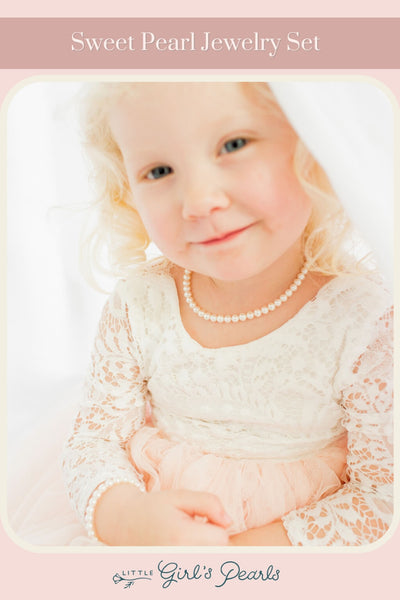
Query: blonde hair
column 118, row 239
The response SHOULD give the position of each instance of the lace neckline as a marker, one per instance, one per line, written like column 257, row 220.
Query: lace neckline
column 176, row 314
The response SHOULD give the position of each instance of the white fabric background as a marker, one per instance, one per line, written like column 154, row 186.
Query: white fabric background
column 52, row 312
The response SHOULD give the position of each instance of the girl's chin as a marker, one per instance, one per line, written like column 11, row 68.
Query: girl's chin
column 230, row 274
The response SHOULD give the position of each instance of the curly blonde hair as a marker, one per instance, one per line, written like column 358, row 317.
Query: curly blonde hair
column 118, row 240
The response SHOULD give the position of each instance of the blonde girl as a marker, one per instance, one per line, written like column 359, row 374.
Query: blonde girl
column 240, row 386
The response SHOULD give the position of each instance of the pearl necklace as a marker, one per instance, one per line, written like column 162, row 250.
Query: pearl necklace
column 258, row 312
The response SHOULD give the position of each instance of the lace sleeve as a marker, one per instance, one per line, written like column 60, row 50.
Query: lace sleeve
column 112, row 409
column 360, row 512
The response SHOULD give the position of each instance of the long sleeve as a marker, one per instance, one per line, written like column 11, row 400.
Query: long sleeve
column 113, row 408
column 361, row 511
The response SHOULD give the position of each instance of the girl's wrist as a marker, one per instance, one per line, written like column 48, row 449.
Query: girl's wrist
column 98, row 497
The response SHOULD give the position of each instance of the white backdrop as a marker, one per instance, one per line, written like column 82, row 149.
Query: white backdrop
column 52, row 312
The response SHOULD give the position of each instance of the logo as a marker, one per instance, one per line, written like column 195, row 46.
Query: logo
column 171, row 573
column 130, row 577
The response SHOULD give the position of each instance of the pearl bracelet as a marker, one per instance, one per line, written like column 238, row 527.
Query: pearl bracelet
column 95, row 497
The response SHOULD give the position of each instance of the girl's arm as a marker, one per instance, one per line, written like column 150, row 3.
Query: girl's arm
column 360, row 512
column 106, row 490
column 273, row 534
column 113, row 408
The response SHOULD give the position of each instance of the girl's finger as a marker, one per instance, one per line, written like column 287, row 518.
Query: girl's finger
column 205, row 505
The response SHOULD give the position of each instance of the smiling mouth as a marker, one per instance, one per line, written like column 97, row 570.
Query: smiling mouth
column 224, row 237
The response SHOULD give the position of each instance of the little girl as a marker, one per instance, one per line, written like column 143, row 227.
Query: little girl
column 239, row 391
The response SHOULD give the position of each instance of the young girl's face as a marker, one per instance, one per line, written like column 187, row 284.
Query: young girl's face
column 211, row 176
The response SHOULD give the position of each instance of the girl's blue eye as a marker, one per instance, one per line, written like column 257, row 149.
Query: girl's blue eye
column 159, row 172
column 233, row 145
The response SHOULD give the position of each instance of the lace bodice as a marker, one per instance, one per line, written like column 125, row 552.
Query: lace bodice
column 283, row 397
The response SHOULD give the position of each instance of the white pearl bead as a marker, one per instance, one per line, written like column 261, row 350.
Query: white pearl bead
column 271, row 306
column 250, row 315
column 206, row 316
column 227, row 319
column 213, row 318
column 220, row 319
column 297, row 281
column 257, row 312
column 235, row 318
column 196, row 310
column 293, row 287
column 265, row 310
column 301, row 276
column 201, row 313
column 242, row 317
column 284, row 297
column 278, row 302
column 289, row 293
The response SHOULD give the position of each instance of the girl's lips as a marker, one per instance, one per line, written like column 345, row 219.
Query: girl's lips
column 224, row 237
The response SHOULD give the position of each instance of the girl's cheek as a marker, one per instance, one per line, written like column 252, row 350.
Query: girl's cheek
column 149, row 204
column 153, row 220
column 258, row 191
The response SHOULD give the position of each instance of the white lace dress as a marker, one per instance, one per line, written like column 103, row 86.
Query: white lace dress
column 296, row 424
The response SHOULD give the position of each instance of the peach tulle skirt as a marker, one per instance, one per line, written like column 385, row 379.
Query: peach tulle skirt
column 253, row 492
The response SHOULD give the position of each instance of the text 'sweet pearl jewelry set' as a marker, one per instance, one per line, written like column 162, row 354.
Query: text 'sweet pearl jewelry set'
column 252, row 314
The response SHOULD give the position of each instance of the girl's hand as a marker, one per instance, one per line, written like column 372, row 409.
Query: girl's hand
column 273, row 534
column 125, row 516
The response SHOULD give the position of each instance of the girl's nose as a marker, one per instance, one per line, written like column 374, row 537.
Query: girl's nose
column 202, row 201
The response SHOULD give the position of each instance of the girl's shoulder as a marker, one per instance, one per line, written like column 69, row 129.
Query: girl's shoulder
column 145, row 277
column 352, row 311
column 359, row 309
column 358, row 292
column 149, row 292
column 366, row 327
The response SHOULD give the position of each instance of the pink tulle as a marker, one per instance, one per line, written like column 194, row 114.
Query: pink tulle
column 253, row 492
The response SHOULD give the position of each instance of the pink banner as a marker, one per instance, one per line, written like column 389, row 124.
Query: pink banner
column 321, row 43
